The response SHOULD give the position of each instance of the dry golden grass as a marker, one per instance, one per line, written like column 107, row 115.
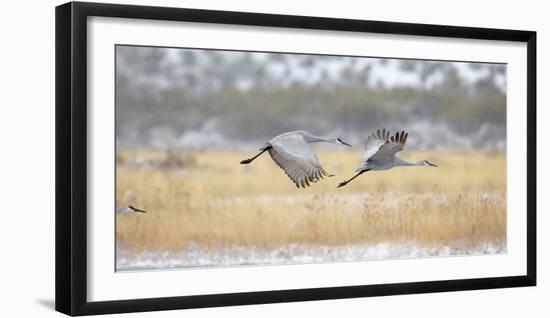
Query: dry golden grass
column 212, row 201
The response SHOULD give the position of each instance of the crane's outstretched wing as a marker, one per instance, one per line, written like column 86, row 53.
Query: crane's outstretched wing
column 382, row 146
column 297, row 159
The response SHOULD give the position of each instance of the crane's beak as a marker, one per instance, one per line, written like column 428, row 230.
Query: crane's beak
column 137, row 210
column 345, row 143
column 431, row 164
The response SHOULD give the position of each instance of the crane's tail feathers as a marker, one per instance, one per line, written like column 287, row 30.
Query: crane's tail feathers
column 323, row 172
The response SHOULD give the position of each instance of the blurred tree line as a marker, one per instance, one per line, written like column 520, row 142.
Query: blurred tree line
column 255, row 95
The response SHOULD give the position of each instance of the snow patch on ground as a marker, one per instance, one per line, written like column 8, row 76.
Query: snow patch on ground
column 194, row 256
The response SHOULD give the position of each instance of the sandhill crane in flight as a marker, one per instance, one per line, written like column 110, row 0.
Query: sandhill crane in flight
column 292, row 152
column 380, row 153
column 129, row 209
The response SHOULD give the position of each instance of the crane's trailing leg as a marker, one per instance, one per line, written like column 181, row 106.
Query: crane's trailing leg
column 249, row 160
column 343, row 183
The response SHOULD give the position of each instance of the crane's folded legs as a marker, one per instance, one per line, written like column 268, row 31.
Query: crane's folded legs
column 249, row 160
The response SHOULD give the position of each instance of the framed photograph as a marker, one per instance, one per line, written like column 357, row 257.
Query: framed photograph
column 211, row 158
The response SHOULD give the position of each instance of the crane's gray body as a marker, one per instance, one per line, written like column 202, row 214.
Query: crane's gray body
column 381, row 150
column 380, row 153
column 292, row 153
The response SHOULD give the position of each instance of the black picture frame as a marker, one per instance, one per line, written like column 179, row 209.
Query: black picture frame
column 71, row 157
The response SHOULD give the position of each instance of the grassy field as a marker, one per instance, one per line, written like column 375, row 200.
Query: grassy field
column 208, row 199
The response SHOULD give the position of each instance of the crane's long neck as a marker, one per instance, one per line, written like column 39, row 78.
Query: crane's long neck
column 400, row 162
column 312, row 138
